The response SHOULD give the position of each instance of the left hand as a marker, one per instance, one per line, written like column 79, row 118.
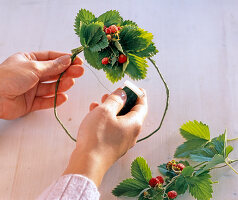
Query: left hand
column 22, row 81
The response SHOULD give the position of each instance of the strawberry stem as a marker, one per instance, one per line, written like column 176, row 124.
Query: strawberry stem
column 167, row 101
column 75, row 53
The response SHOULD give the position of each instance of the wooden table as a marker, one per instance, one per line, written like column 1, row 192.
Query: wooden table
column 198, row 44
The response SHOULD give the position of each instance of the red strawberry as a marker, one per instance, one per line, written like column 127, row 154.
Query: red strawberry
column 113, row 28
column 161, row 179
column 105, row 61
column 180, row 166
column 153, row 182
column 122, row 58
column 108, row 31
column 172, row 194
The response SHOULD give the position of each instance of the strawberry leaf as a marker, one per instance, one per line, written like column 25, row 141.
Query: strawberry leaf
column 129, row 187
column 188, row 147
column 137, row 67
column 128, row 22
column 217, row 159
column 92, row 58
column 200, row 186
column 188, row 171
column 93, row 37
column 195, row 130
column 140, row 170
column 148, row 52
column 181, row 185
column 134, row 39
column 110, row 17
column 84, row 16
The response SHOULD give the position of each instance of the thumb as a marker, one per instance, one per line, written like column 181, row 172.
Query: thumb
column 53, row 67
column 115, row 101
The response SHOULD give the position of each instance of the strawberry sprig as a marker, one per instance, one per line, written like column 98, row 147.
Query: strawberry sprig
column 177, row 177
column 116, row 46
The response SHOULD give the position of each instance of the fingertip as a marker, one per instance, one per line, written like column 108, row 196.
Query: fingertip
column 78, row 61
column 93, row 105
column 104, row 97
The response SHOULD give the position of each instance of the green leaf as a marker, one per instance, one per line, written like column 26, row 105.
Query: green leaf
column 129, row 187
column 148, row 52
column 164, row 171
column 118, row 46
column 128, row 22
column 137, row 67
column 92, row 58
column 216, row 146
column 186, row 163
column 140, row 170
column 134, row 39
column 181, row 185
column 200, row 186
column 110, row 17
column 114, row 60
column 195, row 130
column 84, row 16
column 93, row 37
column 114, row 73
column 217, row 159
column 228, row 150
column 188, row 171
column 184, row 150
column 125, row 64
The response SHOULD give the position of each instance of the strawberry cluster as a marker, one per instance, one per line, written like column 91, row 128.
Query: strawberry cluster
column 112, row 31
column 175, row 166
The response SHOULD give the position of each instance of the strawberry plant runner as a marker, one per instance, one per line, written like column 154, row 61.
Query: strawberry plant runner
column 116, row 46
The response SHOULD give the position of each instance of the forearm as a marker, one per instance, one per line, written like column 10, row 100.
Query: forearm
column 87, row 164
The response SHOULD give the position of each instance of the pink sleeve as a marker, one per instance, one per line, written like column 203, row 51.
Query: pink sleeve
column 72, row 186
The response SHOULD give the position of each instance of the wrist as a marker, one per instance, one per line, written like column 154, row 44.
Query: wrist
column 87, row 164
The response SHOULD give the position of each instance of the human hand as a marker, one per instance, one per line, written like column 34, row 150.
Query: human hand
column 103, row 137
column 22, row 81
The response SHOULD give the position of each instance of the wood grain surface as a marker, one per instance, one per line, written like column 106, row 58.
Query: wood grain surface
column 198, row 44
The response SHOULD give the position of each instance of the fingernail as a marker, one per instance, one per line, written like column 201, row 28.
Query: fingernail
column 121, row 94
column 64, row 60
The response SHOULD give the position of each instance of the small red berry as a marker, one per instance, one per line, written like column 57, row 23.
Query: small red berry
column 118, row 28
column 113, row 28
column 161, row 179
column 109, row 37
column 105, row 61
column 172, row 194
column 180, row 166
column 153, row 182
column 122, row 58
column 108, row 31
column 104, row 28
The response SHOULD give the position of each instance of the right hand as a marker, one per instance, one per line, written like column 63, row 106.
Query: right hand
column 104, row 137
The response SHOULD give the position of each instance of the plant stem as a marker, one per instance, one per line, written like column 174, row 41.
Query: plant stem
column 75, row 53
column 228, row 164
column 224, row 165
column 167, row 101
column 200, row 164
column 232, row 139
column 166, row 187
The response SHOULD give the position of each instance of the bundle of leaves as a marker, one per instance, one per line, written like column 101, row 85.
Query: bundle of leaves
column 181, row 176
column 117, row 47
column 125, row 38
